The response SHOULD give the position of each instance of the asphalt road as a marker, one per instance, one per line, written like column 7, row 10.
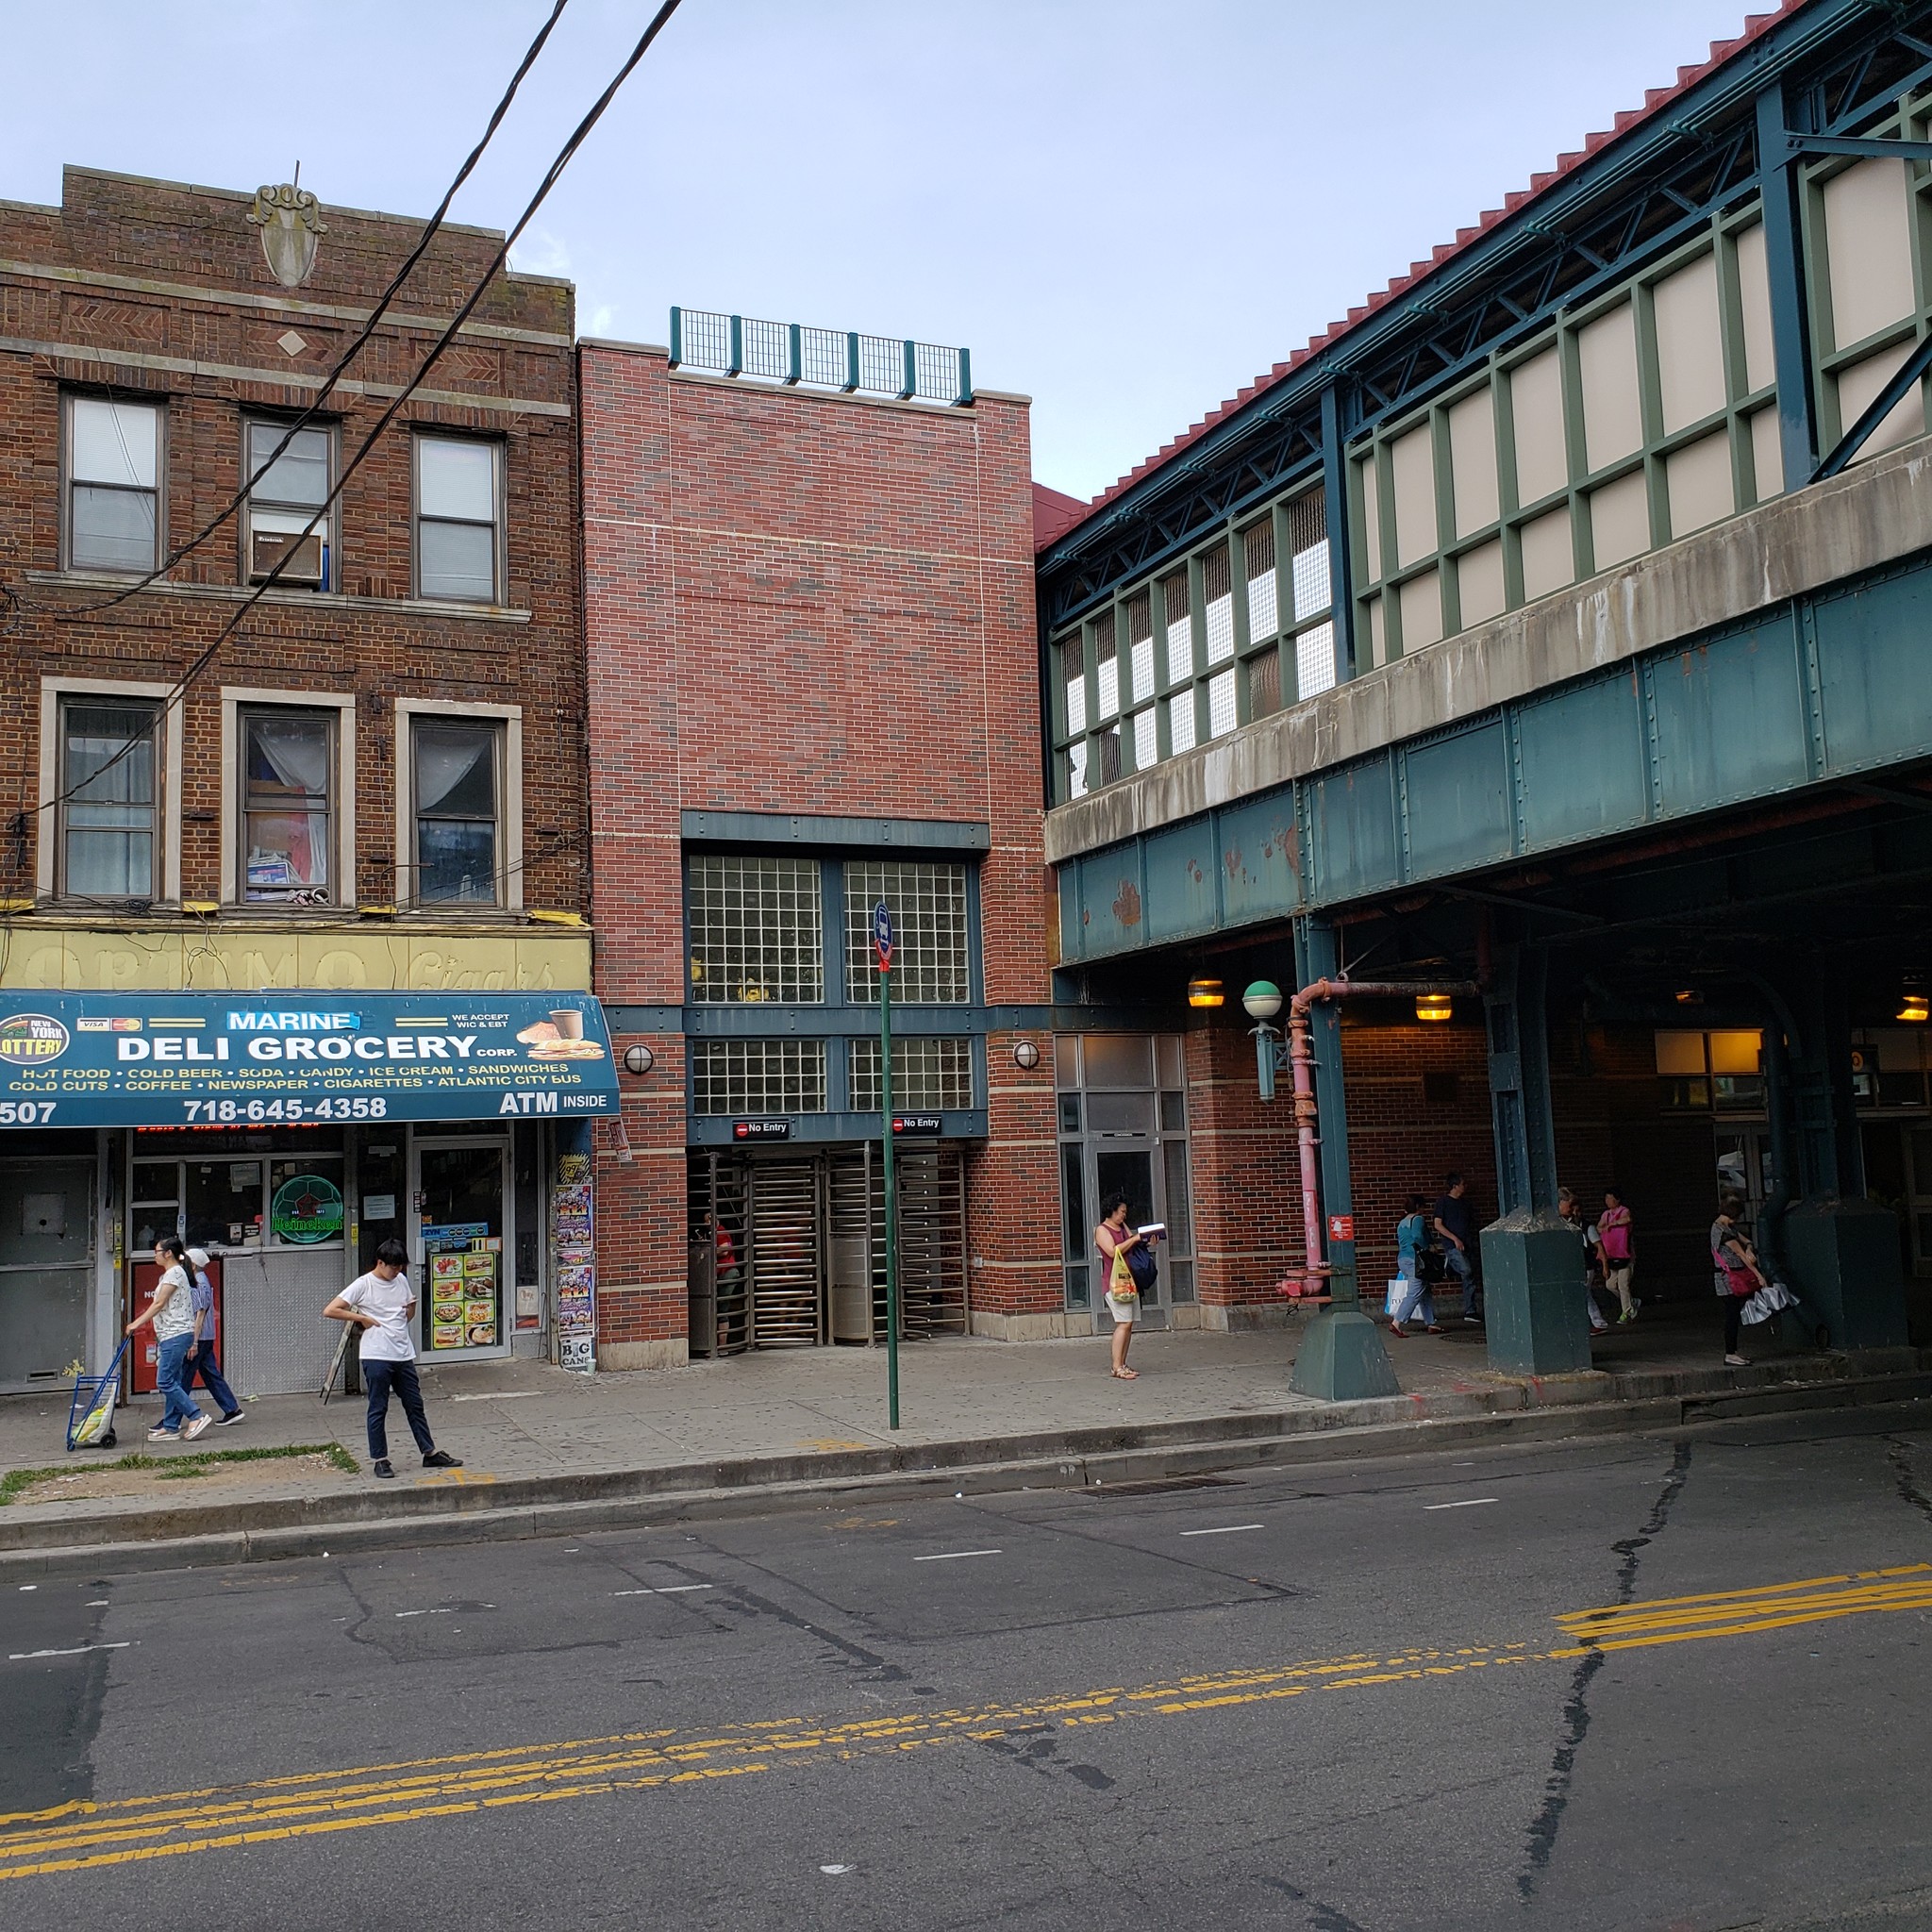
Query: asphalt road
column 1642, row 1683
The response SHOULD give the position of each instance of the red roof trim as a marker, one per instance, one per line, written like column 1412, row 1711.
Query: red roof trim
column 1656, row 98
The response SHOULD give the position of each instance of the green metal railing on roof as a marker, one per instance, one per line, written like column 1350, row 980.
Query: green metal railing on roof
column 790, row 353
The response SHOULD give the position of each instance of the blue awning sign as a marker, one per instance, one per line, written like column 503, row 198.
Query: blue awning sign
column 170, row 1060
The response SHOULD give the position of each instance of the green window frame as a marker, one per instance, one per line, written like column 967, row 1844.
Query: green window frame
column 1615, row 432
column 1241, row 630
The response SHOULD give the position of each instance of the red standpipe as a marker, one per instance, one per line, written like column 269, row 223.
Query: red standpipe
column 1302, row 1055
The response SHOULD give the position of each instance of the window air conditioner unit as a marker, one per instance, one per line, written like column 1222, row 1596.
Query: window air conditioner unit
column 269, row 547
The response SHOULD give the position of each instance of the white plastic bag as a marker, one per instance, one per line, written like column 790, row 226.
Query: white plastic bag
column 1762, row 1306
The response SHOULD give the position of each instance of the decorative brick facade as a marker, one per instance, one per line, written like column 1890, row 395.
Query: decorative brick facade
column 800, row 603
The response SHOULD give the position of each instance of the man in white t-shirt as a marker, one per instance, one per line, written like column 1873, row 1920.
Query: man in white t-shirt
column 381, row 1304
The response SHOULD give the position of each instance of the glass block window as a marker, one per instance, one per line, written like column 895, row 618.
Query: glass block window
column 1180, row 628
column 929, row 925
column 928, row 1075
column 1257, row 555
column 1217, row 601
column 740, row 1077
column 757, row 929
column 1140, row 645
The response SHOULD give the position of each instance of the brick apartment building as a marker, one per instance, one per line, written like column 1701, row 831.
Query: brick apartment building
column 271, row 936
column 813, row 681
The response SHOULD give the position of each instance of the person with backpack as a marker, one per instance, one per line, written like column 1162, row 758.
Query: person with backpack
column 1412, row 1244
column 200, row 1357
column 1116, row 1241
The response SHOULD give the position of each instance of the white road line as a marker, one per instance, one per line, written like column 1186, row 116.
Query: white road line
column 953, row 1556
column 22, row 1657
column 665, row 1590
column 1467, row 1503
column 499, row 1395
column 426, row 1613
column 1225, row 1529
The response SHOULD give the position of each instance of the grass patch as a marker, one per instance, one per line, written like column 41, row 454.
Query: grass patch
column 178, row 1468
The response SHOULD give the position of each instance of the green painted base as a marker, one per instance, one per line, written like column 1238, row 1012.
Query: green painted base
column 1533, row 1296
column 1341, row 1359
column 1844, row 1264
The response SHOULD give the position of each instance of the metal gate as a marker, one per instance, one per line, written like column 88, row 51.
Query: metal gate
column 46, row 1268
column 789, row 1253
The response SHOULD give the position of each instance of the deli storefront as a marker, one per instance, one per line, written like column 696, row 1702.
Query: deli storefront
column 288, row 1135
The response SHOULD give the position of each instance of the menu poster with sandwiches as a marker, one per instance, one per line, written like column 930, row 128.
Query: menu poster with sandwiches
column 465, row 1288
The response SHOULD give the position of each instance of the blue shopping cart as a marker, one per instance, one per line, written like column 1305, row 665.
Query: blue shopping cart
column 91, row 1422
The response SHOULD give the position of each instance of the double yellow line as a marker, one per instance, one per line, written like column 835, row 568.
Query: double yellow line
column 85, row 1835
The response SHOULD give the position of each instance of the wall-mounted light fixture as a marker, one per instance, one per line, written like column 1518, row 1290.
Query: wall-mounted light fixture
column 1915, row 1005
column 1434, row 1006
column 1688, row 996
column 639, row 1059
column 1025, row 1054
column 1205, row 992
column 1263, row 1000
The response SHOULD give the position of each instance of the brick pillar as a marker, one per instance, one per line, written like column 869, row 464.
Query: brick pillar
column 1246, row 1194
column 642, row 1303
column 1013, row 1200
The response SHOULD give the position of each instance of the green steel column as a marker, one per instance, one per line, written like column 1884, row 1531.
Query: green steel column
column 1342, row 1357
column 1335, row 502
column 892, row 1199
column 1784, row 262
column 1533, row 1286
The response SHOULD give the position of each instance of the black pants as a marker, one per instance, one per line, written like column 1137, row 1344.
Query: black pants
column 381, row 1377
column 1734, row 1320
column 201, row 1361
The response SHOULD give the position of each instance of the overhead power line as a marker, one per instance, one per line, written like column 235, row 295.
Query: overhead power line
column 69, row 612
column 551, row 176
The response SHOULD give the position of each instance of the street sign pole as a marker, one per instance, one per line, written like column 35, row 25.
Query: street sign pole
column 882, row 944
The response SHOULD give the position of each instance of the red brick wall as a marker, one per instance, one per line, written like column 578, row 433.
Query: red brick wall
column 166, row 297
column 1245, row 1180
column 805, row 603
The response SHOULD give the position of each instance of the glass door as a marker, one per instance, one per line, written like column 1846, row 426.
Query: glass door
column 462, row 1233
column 1129, row 1168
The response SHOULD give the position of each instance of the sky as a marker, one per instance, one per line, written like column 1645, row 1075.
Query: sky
column 1125, row 209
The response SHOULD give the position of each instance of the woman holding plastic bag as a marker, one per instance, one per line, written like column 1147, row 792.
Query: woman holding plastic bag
column 1116, row 1240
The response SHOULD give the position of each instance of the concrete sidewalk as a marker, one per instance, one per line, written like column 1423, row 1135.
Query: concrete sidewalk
column 542, row 1448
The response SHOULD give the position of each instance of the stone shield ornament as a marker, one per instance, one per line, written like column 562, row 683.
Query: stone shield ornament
column 291, row 221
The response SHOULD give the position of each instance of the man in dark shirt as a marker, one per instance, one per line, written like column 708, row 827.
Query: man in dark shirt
column 1456, row 1229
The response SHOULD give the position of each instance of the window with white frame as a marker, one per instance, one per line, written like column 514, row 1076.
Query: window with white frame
column 287, row 815
column 285, row 493
column 108, row 831
column 113, row 485
column 459, row 519
column 456, row 784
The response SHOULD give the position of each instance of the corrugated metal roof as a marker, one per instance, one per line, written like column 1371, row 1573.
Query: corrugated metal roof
column 1655, row 101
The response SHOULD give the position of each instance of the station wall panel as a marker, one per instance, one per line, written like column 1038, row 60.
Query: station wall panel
column 1459, row 802
column 1353, row 830
column 1730, row 719
column 1875, row 665
column 1582, row 762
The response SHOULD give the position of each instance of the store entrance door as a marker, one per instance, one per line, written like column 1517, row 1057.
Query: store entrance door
column 462, row 1231
column 1127, row 1167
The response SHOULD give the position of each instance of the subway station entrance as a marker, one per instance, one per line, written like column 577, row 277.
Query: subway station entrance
column 787, row 1249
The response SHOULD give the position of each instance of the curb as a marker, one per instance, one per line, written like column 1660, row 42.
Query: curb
column 1536, row 1410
